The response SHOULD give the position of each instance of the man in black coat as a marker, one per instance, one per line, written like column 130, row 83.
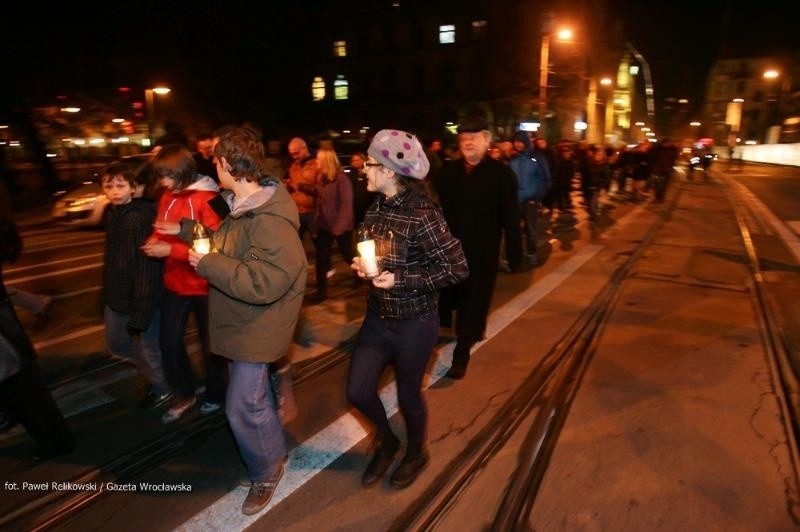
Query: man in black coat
column 479, row 198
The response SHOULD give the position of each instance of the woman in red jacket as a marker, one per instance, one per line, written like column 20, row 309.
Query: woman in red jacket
column 186, row 196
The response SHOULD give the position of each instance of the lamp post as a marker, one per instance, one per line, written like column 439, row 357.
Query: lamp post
column 544, row 59
column 775, row 92
column 149, row 101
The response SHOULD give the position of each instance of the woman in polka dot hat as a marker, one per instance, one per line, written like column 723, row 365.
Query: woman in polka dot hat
column 418, row 256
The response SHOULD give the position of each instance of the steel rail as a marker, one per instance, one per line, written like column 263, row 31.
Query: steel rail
column 559, row 373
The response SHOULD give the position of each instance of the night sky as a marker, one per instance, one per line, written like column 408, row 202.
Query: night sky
column 218, row 52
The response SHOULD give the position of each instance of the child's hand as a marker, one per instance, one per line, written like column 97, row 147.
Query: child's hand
column 167, row 228
column 157, row 248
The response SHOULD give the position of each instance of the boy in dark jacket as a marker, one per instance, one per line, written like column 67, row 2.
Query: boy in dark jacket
column 132, row 282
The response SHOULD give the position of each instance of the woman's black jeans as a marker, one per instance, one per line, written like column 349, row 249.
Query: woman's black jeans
column 175, row 310
column 408, row 345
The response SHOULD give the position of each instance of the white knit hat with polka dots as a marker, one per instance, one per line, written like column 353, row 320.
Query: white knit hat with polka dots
column 400, row 152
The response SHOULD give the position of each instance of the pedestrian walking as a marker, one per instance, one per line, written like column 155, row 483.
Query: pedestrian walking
column 257, row 271
column 186, row 196
column 24, row 398
column 132, row 282
column 479, row 200
column 419, row 256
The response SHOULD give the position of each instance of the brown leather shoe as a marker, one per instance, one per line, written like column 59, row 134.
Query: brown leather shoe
column 261, row 493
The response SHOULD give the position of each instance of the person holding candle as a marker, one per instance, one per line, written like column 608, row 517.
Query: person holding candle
column 257, row 271
column 186, row 196
column 418, row 257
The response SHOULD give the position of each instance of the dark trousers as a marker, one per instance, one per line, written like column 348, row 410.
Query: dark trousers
column 529, row 211
column 175, row 310
column 26, row 398
column 324, row 243
column 408, row 345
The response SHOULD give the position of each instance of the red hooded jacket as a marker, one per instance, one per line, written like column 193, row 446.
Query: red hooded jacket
column 191, row 203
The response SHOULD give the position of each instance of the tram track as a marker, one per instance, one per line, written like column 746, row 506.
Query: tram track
column 56, row 507
column 538, row 407
column 541, row 403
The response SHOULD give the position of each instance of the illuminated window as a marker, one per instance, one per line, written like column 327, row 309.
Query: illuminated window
column 340, row 88
column 340, row 48
column 478, row 29
column 447, row 34
column 318, row 89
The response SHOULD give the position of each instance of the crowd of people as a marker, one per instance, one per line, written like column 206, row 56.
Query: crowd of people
column 443, row 221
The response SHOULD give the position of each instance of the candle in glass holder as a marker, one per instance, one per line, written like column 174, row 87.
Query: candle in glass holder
column 200, row 241
column 369, row 262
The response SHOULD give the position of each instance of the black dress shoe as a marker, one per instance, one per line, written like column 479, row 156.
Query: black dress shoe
column 410, row 467
column 381, row 460
column 457, row 371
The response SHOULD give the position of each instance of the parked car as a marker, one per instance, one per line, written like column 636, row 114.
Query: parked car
column 85, row 204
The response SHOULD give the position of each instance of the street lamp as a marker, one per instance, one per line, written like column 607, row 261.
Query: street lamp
column 544, row 59
column 773, row 113
column 149, row 101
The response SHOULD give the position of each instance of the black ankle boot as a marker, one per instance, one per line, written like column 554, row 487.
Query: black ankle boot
column 458, row 369
column 414, row 461
column 381, row 460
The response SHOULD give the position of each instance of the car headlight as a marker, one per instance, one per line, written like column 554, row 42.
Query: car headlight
column 83, row 201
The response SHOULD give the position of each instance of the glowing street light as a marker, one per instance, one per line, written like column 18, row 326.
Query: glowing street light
column 563, row 34
column 149, row 101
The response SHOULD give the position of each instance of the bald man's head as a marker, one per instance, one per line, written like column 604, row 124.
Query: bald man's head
column 298, row 149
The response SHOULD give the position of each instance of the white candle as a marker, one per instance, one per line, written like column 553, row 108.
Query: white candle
column 369, row 262
column 202, row 245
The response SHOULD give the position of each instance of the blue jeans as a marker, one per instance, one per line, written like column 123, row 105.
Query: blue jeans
column 143, row 351
column 407, row 343
column 250, row 408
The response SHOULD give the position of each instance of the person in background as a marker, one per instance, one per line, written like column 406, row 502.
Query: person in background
column 257, row 271
column 301, row 182
column 362, row 197
column 187, row 195
column 401, row 325
column 436, row 148
column 533, row 184
column 333, row 219
column 132, row 282
column 495, row 152
column 479, row 200
column 204, row 156
column 24, row 398
column 563, row 177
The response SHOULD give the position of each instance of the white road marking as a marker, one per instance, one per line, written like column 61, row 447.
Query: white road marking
column 65, row 295
column 788, row 237
column 55, row 274
column 50, row 263
column 316, row 453
column 71, row 336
